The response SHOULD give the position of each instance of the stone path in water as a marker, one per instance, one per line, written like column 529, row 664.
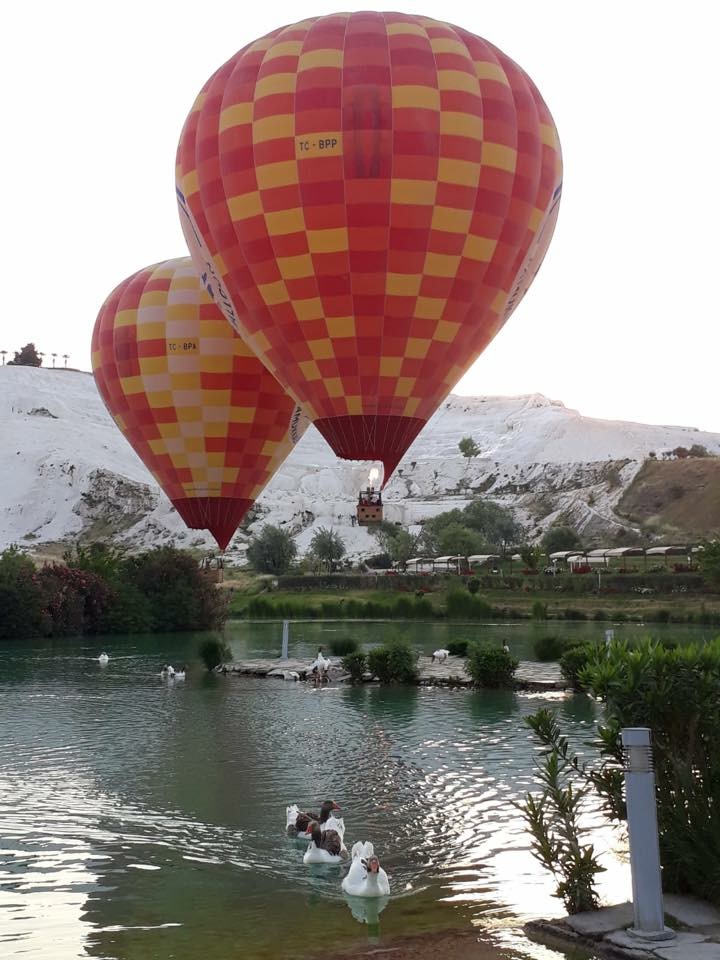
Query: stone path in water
column 451, row 672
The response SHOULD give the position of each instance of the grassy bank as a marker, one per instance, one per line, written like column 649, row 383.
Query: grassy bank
column 454, row 604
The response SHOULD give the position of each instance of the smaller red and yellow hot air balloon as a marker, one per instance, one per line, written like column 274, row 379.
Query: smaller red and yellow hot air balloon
column 197, row 406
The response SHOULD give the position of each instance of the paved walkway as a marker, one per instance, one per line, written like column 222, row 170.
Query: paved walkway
column 696, row 928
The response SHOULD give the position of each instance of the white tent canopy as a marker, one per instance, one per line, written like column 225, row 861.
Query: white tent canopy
column 667, row 551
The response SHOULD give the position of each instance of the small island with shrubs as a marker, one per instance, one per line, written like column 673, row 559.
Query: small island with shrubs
column 396, row 661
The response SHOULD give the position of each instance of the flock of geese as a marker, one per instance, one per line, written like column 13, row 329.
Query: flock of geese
column 325, row 833
column 167, row 672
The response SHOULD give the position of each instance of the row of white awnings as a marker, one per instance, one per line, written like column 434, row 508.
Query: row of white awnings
column 572, row 557
column 625, row 552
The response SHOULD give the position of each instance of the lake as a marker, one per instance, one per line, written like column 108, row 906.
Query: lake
column 143, row 818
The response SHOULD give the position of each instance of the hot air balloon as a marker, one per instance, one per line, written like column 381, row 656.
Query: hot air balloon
column 197, row 406
column 368, row 197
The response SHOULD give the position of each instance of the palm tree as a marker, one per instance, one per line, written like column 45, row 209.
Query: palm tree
column 3, row 354
column 66, row 357
column 41, row 355
column 53, row 355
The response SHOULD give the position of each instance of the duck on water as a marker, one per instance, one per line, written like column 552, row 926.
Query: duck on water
column 298, row 821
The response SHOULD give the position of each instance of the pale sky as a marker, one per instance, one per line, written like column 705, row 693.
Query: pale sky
column 621, row 321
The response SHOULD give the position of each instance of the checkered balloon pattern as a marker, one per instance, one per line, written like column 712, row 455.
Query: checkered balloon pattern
column 368, row 197
column 196, row 405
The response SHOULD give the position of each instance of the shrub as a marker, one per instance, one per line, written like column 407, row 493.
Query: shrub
column 573, row 614
column 676, row 693
column 458, row 648
column 259, row 607
column 600, row 615
column 461, row 605
column 548, row 647
column 379, row 561
column 331, row 609
column 491, row 666
column 341, row 646
column 214, row 653
column 356, row 665
column 538, row 610
column 394, row 662
column 554, row 817
column 473, row 585
column 423, row 610
column 573, row 661
column 404, row 607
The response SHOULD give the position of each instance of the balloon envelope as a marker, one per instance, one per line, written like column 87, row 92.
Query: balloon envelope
column 197, row 406
column 368, row 197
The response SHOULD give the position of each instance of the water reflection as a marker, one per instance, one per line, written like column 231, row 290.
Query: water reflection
column 368, row 910
column 143, row 819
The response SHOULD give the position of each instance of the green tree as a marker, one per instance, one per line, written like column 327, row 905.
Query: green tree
column 709, row 559
column 458, row 540
column 272, row 550
column 494, row 523
column 531, row 556
column 493, row 526
column 397, row 542
column 327, row 547
column 468, row 448
column 27, row 357
column 558, row 537
column 403, row 547
column 180, row 594
column 99, row 558
column 21, row 600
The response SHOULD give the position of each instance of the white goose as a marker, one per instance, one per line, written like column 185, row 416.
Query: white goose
column 440, row 655
column 167, row 671
column 103, row 659
column 320, row 662
column 326, row 843
column 365, row 878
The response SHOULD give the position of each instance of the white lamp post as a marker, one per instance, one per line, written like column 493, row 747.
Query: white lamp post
column 643, row 836
column 285, row 639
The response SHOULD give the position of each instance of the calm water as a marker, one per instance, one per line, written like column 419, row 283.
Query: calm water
column 263, row 638
column 144, row 819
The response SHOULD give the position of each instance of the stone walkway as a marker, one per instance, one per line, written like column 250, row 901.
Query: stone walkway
column 696, row 926
column 451, row 672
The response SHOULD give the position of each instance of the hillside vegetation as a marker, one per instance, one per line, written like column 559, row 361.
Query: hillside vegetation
column 678, row 499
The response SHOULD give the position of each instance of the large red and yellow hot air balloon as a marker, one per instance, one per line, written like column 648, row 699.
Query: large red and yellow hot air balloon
column 368, row 197
column 196, row 405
